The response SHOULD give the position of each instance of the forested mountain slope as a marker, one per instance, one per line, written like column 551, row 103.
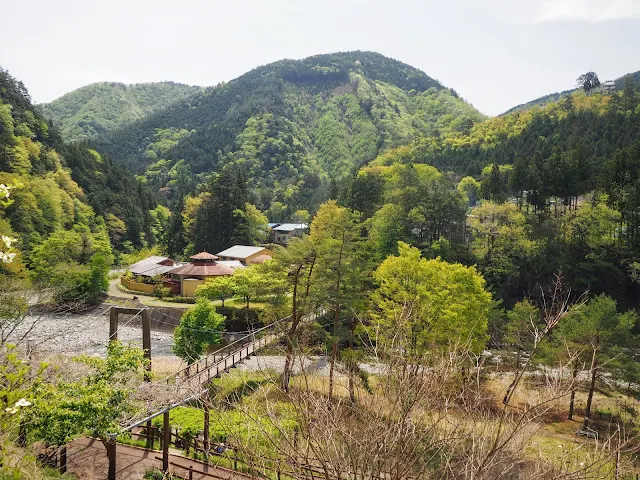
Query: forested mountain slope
column 100, row 107
column 553, row 97
column 61, row 187
column 293, row 127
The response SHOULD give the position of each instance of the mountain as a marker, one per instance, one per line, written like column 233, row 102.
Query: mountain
column 56, row 186
column 100, row 107
column 293, row 127
column 635, row 77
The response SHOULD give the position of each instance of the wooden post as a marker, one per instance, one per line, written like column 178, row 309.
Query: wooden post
column 149, row 432
column 190, row 472
column 113, row 323
column 205, row 431
column 166, row 442
column 146, row 341
column 63, row 459
column 111, row 453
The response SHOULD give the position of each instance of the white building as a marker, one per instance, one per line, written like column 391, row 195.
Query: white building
column 282, row 234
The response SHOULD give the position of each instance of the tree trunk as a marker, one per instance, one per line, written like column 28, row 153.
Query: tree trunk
column 336, row 321
column 334, row 354
column 592, row 387
column 286, row 373
column 352, row 388
column 573, row 389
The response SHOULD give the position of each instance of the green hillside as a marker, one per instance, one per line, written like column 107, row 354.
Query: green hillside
column 57, row 187
column 293, row 126
column 553, row 97
column 100, row 107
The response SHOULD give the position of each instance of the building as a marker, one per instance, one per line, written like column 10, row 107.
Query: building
column 152, row 266
column 609, row 87
column 144, row 271
column 185, row 279
column 245, row 254
column 283, row 234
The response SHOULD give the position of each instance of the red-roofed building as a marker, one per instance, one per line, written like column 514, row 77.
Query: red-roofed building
column 185, row 279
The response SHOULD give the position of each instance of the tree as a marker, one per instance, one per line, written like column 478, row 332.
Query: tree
column 298, row 261
column 200, row 326
column 335, row 235
column 93, row 404
column 386, row 227
column 588, row 81
column 175, row 234
column 522, row 322
column 250, row 282
column 252, row 228
column 600, row 336
column 217, row 288
column 215, row 224
column 433, row 303
column 494, row 184
column 470, row 188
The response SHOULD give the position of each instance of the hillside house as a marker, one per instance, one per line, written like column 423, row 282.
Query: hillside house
column 246, row 255
column 185, row 279
column 283, row 234
column 609, row 87
column 143, row 272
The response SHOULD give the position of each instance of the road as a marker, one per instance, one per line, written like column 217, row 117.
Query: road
column 115, row 292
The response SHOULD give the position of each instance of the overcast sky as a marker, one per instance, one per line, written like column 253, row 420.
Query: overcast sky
column 495, row 53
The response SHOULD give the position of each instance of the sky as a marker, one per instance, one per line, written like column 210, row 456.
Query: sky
column 495, row 53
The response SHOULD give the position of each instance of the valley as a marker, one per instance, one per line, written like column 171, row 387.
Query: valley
column 345, row 271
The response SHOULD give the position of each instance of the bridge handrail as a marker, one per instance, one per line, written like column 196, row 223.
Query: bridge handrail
column 217, row 353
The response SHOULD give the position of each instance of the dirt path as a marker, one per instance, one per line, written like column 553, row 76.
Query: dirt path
column 87, row 459
column 115, row 292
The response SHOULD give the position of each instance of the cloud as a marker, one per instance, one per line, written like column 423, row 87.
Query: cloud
column 591, row 11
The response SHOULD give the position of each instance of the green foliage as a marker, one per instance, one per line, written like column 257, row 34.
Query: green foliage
column 100, row 107
column 251, row 282
column 200, row 326
column 63, row 188
column 470, row 188
column 218, row 288
column 293, row 126
column 599, row 327
column 431, row 303
column 252, row 228
column 94, row 404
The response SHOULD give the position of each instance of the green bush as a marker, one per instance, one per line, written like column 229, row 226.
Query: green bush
column 241, row 319
column 181, row 299
column 161, row 292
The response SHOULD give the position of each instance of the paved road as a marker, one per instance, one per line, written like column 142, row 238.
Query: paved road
column 87, row 459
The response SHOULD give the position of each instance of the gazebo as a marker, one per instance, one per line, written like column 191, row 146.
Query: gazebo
column 184, row 280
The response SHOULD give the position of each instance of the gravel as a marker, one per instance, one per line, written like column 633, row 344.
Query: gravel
column 86, row 333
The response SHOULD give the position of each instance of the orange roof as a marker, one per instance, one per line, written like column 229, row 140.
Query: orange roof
column 208, row 270
column 203, row 256
column 260, row 259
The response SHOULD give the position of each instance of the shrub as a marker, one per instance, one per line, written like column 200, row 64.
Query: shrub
column 181, row 299
column 162, row 292
column 241, row 320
